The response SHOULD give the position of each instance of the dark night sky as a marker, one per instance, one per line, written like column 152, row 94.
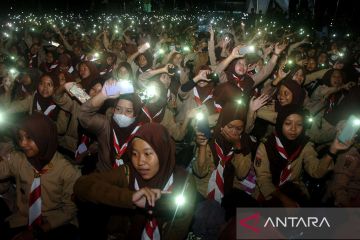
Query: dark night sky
column 346, row 8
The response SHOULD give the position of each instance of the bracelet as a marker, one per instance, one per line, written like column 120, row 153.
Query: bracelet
column 330, row 154
column 274, row 53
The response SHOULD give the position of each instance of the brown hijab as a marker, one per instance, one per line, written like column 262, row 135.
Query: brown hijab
column 159, row 139
column 231, row 111
column 46, row 102
column 123, row 133
column 156, row 107
column 88, row 82
column 245, row 81
column 43, row 132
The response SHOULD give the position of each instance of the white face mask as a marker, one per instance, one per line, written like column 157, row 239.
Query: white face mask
column 122, row 120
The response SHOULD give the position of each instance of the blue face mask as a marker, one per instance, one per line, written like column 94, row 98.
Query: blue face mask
column 122, row 120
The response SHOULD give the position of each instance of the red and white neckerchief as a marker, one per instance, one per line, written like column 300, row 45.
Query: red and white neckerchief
column 31, row 57
column 23, row 88
column 285, row 174
column 53, row 66
column 332, row 100
column 107, row 70
column 35, row 200
column 151, row 230
column 48, row 110
column 249, row 182
column 71, row 69
column 239, row 82
column 197, row 97
column 147, row 113
column 168, row 95
column 216, row 182
column 120, row 150
column 83, row 146
column 218, row 107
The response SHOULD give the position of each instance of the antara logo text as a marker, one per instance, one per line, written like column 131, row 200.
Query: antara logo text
column 295, row 222
column 251, row 222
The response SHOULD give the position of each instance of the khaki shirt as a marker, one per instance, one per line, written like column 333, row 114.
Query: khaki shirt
column 112, row 188
column 345, row 187
column 202, row 174
column 26, row 105
column 56, row 189
column 307, row 159
column 70, row 139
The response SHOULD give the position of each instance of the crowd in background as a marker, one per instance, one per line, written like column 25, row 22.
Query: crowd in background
column 149, row 126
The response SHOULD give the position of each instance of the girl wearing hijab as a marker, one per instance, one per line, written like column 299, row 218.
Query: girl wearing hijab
column 330, row 92
column 143, row 184
column 280, row 160
column 223, row 162
column 70, row 141
column 195, row 93
column 290, row 92
column 41, row 101
column 88, row 74
column 45, row 182
column 123, row 71
column 234, row 69
column 159, row 108
column 113, row 135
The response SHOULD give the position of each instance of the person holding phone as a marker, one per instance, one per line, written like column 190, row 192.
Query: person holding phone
column 280, row 161
column 142, row 191
column 234, row 69
column 195, row 93
column 223, row 163
column 114, row 134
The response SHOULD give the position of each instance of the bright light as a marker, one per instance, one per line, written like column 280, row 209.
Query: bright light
column 147, row 45
column 310, row 119
column 239, row 101
column 356, row 122
column 180, row 200
column 1, row 117
column 186, row 49
column 12, row 71
column 150, row 91
column 290, row 62
column 251, row 48
column 200, row 116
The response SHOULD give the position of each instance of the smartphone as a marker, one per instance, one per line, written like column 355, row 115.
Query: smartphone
column 203, row 28
column 352, row 125
column 121, row 87
column 288, row 66
column 167, row 207
column 203, row 126
column 246, row 50
column 77, row 92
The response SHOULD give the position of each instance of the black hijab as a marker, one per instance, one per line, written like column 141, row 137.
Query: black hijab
column 277, row 162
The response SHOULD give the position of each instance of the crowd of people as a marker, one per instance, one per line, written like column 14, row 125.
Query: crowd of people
column 149, row 127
